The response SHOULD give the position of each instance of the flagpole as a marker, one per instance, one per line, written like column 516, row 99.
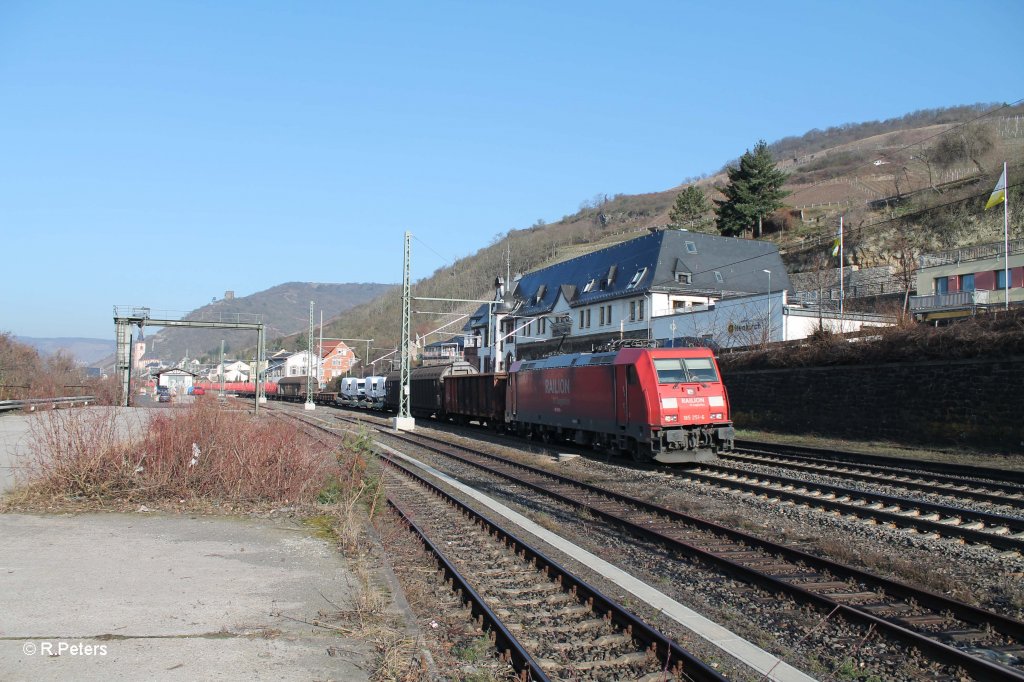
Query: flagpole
column 842, row 294
column 1006, row 236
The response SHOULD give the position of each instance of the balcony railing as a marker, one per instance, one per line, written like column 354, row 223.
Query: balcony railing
column 957, row 299
column 971, row 253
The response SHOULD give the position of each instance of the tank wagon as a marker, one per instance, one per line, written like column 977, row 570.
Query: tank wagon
column 665, row 404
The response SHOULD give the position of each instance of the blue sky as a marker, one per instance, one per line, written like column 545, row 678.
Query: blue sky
column 258, row 143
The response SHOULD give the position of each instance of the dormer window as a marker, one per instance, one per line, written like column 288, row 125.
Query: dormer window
column 610, row 277
column 684, row 277
column 541, row 290
column 637, row 278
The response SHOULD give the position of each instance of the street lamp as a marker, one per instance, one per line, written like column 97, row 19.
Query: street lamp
column 769, row 304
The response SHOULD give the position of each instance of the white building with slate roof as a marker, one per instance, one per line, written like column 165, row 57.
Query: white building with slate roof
column 673, row 286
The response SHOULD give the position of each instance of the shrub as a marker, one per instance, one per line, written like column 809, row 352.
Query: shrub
column 198, row 453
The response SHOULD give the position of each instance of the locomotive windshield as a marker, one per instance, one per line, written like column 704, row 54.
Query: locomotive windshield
column 685, row 370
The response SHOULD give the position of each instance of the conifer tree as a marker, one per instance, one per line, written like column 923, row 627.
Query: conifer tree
column 754, row 191
column 691, row 204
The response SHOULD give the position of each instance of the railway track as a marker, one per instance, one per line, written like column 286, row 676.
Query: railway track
column 880, row 463
column 976, row 489
column 999, row 531
column 987, row 645
column 547, row 622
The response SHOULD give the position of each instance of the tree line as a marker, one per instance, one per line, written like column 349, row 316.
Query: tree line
column 753, row 193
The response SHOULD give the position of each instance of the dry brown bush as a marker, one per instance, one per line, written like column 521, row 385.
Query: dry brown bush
column 199, row 453
column 1000, row 334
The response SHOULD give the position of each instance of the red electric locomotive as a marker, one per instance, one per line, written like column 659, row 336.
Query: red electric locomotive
column 666, row 404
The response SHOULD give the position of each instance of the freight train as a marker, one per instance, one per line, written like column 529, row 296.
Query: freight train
column 662, row 404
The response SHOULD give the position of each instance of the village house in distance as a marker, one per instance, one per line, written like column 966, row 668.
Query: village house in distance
column 671, row 286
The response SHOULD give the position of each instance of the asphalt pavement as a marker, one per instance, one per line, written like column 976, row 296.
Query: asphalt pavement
column 153, row 597
column 145, row 596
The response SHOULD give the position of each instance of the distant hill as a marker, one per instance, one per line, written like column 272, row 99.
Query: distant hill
column 900, row 190
column 285, row 311
column 84, row 351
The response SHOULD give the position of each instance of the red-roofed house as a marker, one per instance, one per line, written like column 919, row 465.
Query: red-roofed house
column 338, row 359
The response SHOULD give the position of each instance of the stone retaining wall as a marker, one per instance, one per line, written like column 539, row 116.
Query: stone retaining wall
column 977, row 402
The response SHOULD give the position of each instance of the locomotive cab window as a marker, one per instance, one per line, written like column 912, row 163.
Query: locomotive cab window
column 684, row 370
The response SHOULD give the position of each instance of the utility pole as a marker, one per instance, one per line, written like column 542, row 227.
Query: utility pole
column 222, row 395
column 310, row 405
column 404, row 421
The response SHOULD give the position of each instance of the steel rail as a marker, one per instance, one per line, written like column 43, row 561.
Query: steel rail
column 901, row 478
column 668, row 651
column 847, row 457
column 939, row 650
column 505, row 641
column 733, row 478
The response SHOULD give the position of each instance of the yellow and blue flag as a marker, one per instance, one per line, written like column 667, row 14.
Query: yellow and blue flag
column 999, row 193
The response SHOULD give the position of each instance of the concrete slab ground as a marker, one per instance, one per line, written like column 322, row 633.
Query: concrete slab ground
column 16, row 431
column 139, row 596
column 13, row 434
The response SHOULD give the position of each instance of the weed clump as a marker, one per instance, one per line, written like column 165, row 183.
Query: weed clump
column 202, row 453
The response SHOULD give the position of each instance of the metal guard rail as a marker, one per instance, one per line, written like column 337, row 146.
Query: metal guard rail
column 33, row 404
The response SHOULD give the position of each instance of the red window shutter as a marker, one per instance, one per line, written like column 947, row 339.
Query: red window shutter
column 953, row 283
column 985, row 281
column 1017, row 277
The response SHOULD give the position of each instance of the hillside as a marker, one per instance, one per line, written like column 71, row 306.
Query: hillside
column 905, row 186
column 84, row 351
column 285, row 310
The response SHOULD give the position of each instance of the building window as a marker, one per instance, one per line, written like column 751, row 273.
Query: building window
column 1000, row 279
column 941, row 285
column 588, row 318
column 589, row 286
column 608, row 315
column 684, row 278
column 691, row 247
column 637, row 278
column 967, row 282
column 601, row 318
column 632, row 311
column 642, row 301
column 718, row 277
column 581, row 319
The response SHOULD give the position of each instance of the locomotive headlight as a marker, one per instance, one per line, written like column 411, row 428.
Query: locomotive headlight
column 717, row 415
column 671, row 418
